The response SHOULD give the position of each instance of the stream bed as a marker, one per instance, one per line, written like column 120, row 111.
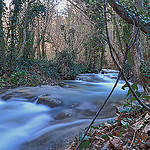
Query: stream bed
column 49, row 117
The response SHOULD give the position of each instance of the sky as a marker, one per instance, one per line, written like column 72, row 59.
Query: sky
column 7, row 2
column 61, row 5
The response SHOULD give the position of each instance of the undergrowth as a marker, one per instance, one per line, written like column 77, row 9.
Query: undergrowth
column 32, row 72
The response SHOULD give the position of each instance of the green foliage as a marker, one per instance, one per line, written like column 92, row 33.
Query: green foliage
column 95, row 45
column 85, row 143
column 67, row 69
column 105, row 137
column 124, row 123
column 132, row 99
column 31, row 72
column 134, row 87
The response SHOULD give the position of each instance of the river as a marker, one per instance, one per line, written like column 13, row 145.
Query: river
column 24, row 119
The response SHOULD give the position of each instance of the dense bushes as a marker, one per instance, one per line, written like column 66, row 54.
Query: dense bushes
column 67, row 68
column 36, row 72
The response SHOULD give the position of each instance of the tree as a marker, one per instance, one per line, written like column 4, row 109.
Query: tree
column 130, row 16
column 95, row 43
column 13, row 23
column 136, row 13
column 2, row 50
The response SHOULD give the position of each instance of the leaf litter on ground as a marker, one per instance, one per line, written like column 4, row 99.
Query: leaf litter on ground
column 130, row 130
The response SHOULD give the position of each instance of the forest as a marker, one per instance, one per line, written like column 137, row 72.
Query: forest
column 40, row 42
column 45, row 42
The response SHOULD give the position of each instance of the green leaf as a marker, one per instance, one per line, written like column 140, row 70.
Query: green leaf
column 125, row 124
column 129, row 92
column 140, row 12
column 105, row 136
column 94, row 127
column 143, row 126
column 127, row 104
column 138, row 93
column 84, row 144
column 124, row 86
column 146, row 97
column 90, row 1
column 134, row 86
column 133, row 99
column 121, row 134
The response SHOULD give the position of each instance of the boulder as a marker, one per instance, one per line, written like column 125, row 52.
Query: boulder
column 62, row 84
column 63, row 115
column 7, row 96
column 50, row 101
column 24, row 93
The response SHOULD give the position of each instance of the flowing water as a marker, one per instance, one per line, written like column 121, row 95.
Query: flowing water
column 22, row 120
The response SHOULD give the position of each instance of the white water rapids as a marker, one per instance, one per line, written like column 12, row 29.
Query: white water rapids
column 22, row 121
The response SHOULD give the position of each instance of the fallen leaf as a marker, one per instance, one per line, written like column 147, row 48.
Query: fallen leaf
column 143, row 136
column 147, row 128
column 111, row 145
column 116, row 142
column 117, row 133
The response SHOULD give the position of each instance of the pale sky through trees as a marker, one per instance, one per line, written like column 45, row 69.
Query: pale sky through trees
column 7, row 2
column 60, row 7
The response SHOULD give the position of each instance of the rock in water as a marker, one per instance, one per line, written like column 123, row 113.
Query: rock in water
column 24, row 93
column 50, row 101
column 63, row 115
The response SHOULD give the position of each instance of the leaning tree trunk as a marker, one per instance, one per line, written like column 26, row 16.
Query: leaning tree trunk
column 137, row 50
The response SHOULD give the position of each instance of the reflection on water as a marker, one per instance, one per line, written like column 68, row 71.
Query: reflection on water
column 22, row 120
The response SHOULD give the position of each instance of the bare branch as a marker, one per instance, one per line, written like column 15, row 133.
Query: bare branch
column 81, row 10
column 119, row 68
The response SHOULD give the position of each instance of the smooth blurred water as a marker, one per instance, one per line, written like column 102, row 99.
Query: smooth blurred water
column 22, row 120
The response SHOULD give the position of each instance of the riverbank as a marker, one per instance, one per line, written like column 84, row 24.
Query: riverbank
column 130, row 130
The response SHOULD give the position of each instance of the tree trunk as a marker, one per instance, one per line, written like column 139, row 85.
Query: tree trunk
column 43, row 48
column 21, row 52
column 2, row 50
column 130, row 16
column 137, row 50
column 38, row 39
